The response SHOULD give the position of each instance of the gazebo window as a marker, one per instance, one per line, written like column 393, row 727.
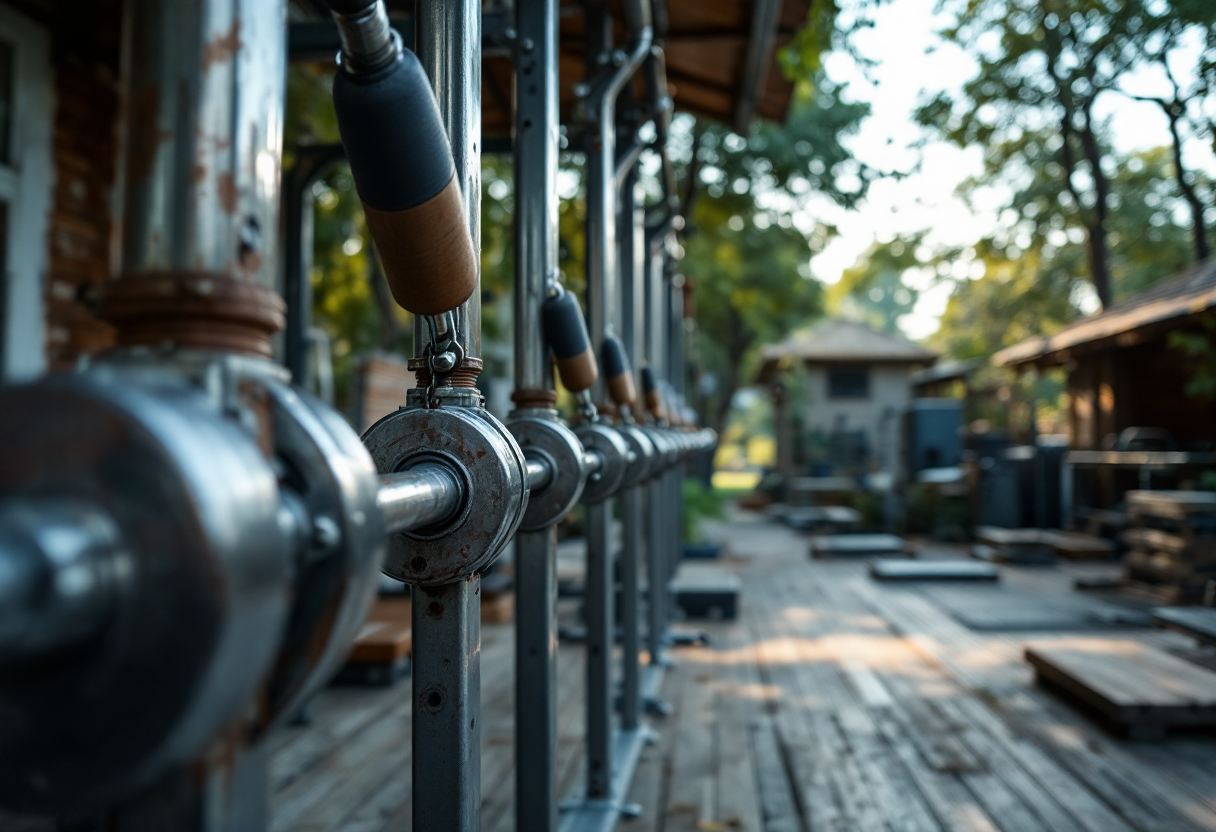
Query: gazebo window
column 849, row 383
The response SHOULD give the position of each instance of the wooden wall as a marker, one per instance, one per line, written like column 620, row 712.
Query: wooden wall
column 1137, row 386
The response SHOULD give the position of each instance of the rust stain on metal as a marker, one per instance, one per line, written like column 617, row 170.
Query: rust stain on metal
column 222, row 48
column 225, row 185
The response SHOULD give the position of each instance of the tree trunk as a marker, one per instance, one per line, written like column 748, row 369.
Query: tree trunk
column 1098, row 249
column 1198, row 226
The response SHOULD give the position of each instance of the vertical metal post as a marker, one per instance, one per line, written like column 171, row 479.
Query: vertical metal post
column 447, row 707
column 675, row 375
column 448, row 44
column 446, row 619
column 632, row 542
column 660, row 513
column 600, row 261
column 536, row 207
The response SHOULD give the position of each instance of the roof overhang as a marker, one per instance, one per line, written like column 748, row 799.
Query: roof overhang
column 1121, row 327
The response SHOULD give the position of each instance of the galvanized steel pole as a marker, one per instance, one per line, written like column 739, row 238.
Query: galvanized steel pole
column 536, row 206
column 446, row 619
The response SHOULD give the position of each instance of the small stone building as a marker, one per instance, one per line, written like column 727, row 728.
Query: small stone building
column 840, row 391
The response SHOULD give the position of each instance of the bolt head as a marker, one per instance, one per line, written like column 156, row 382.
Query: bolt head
column 445, row 362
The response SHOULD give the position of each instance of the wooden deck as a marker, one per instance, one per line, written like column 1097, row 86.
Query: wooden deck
column 834, row 703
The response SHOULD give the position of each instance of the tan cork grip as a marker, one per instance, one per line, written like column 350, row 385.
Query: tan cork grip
column 654, row 403
column 622, row 390
column 580, row 372
column 427, row 252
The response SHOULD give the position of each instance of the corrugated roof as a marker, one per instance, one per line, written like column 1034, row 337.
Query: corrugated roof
column 1185, row 294
column 839, row 339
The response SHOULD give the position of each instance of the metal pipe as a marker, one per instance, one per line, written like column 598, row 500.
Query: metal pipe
column 446, row 673
column 425, row 495
column 536, row 268
column 601, row 162
column 449, row 47
column 540, row 474
column 632, row 271
column 366, row 36
column 594, row 462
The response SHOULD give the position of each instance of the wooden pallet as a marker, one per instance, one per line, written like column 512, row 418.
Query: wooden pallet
column 1079, row 546
column 1132, row 688
column 1165, row 579
column 1018, row 546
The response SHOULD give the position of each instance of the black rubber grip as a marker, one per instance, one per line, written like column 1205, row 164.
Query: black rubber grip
column 350, row 6
column 613, row 360
column 650, row 382
column 565, row 328
column 395, row 142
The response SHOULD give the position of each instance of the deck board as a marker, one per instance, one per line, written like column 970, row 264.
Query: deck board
column 833, row 703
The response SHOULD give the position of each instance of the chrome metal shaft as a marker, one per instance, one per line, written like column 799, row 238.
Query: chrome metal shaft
column 422, row 496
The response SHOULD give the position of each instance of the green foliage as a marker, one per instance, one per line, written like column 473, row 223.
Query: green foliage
column 1034, row 272
column 1042, row 66
column 873, row 290
column 701, row 502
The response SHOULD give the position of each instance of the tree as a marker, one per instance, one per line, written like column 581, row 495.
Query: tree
column 753, row 286
column 873, row 290
column 1181, row 108
column 1042, row 66
column 1033, row 277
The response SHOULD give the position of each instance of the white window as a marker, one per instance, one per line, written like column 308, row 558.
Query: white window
column 26, row 177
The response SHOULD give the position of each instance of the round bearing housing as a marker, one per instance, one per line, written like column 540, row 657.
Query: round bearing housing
column 604, row 440
column 644, row 455
column 201, row 592
column 488, row 462
column 325, row 465
column 541, row 434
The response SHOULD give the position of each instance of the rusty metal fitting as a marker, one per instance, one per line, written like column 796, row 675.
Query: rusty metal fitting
column 193, row 311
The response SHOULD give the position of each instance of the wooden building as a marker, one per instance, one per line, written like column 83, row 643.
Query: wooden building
column 1123, row 371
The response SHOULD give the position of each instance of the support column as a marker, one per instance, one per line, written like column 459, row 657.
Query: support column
column 536, row 207
column 446, row 673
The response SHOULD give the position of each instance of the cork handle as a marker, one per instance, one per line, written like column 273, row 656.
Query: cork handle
column 427, row 252
column 617, row 373
column 566, row 333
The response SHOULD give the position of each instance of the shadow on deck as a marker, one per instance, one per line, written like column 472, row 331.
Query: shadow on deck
column 833, row 703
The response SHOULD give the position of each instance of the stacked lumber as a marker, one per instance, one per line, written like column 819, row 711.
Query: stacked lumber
column 380, row 654
column 1172, row 544
column 1016, row 546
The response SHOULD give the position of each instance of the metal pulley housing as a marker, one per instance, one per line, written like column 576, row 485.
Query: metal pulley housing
column 203, row 571
column 604, row 440
column 323, row 464
column 645, row 456
column 484, row 458
column 241, row 560
column 541, row 434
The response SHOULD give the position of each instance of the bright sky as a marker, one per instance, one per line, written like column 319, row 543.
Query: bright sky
column 913, row 59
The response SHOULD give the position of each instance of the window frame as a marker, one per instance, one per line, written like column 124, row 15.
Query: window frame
column 863, row 369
